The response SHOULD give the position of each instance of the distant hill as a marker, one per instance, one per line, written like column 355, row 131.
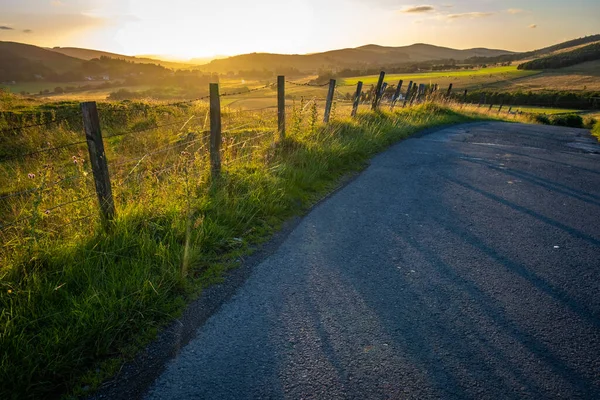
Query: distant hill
column 365, row 56
column 38, row 56
column 570, row 44
column 562, row 59
column 88, row 54
column 23, row 62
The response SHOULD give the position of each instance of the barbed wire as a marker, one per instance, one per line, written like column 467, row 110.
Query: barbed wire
column 80, row 219
column 46, row 150
column 162, row 149
column 250, row 139
column 46, row 188
column 142, row 130
column 307, row 84
column 16, row 128
column 46, row 211
column 270, row 85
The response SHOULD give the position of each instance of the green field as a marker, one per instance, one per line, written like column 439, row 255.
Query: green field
column 464, row 79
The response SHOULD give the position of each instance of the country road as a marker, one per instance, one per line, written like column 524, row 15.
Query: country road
column 462, row 264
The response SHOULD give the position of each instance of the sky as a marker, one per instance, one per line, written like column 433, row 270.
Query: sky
column 201, row 28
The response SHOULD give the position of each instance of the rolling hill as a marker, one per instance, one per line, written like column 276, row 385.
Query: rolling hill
column 562, row 59
column 365, row 56
column 36, row 57
column 88, row 54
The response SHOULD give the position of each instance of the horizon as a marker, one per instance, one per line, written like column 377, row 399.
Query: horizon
column 141, row 28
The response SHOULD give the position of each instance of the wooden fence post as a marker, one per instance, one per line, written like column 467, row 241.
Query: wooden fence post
column 501, row 105
column 215, row 130
column 509, row 110
column 378, row 91
column 491, row 105
column 93, row 136
column 397, row 94
column 421, row 92
column 465, row 96
column 415, row 93
column 408, row 90
column 329, row 100
column 357, row 98
column 449, row 92
column 281, row 106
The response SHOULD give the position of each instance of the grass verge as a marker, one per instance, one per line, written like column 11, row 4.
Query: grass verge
column 73, row 309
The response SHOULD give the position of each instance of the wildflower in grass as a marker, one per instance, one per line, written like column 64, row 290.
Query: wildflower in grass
column 47, row 212
column 31, row 176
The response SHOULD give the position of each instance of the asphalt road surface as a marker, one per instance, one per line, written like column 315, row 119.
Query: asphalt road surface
column 463, row 264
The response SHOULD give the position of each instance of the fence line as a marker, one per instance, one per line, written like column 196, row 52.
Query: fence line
column 213, row 137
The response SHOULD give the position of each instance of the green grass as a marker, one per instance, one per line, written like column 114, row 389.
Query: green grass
column 544, row 110
column 464, row 76
column 596, row 130
column 76, row 301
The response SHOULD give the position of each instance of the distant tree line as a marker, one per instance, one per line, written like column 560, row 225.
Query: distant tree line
column 587, row 53
column 552, row 98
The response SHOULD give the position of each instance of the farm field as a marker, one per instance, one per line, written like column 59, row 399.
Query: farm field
column 581, row 77
column 463, row 79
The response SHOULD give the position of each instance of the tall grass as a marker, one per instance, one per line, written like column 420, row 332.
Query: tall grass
column 76, row 300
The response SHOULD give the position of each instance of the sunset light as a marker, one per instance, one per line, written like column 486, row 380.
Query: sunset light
column 299, row 199
column 190, row 28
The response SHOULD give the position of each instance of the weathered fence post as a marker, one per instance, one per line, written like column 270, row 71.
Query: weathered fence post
column 408, row 90
column 378, row 91
column 281, row 106
column 421, row 92
column 465, row 96
column 449, row 92
column 501, row 105
column 215, row 130
column 415, row 93
column 93, row 136
column 329, row 100
column 491, row 105
column 481, row 100
column 357, row 98
column 396, row 94
column 509, row 110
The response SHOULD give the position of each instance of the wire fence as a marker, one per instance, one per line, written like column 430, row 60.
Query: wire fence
column 163, row 143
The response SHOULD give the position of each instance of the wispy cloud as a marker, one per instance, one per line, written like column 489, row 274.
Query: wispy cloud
column 6, row 28
column 470, row 15
column 515, row 11
column 27, row 31
column 532, row 26
column 418, row 9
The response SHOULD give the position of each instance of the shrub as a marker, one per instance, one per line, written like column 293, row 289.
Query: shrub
column 570, row 120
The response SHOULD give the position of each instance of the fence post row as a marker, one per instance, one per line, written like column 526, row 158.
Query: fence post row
column 378, row 91
column 357, row 98
column 281, row 106
column 329, row 102
column 215, row 130
column 93, row 136
column 408, row 90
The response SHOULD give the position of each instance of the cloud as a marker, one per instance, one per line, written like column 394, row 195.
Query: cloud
column 532, row 26
column 27, row 31
column 470, row 15
column 418, row 9
column 6, row 28
column 515, row 11
column 57, row 3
